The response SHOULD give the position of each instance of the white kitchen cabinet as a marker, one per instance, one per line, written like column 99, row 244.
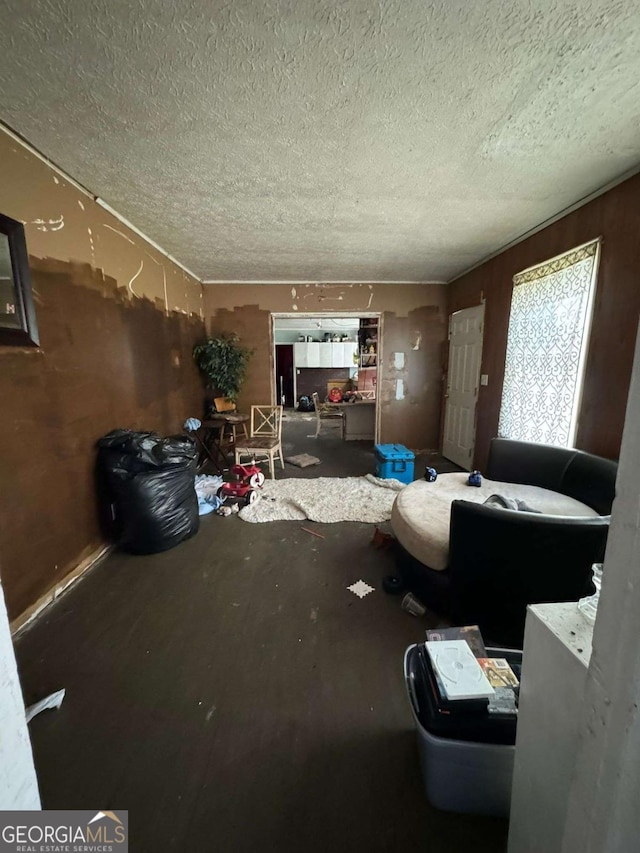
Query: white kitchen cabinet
column 300, row 355
column 337, row 355
column 350, row 350
column 325, row 355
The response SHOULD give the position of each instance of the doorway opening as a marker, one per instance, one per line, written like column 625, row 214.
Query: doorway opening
column 333, row 356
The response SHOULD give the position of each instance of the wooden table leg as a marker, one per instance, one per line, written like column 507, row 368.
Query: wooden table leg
column 208, row 439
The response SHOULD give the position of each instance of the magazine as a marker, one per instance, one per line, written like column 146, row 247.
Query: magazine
column 498, row 672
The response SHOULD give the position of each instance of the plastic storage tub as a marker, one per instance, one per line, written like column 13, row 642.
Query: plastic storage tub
column 394, row 461
column 460, row 775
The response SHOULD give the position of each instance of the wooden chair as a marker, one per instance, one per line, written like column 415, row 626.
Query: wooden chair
column 325, row 412
column 224, row 404
column 232, row 420
column 265, row 442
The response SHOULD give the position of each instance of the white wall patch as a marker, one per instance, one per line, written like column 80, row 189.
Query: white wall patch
column 398, row 360
column 399, row 389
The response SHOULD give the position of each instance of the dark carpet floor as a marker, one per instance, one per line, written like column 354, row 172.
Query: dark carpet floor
column 234, row 696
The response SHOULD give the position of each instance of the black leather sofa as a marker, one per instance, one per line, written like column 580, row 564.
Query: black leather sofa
column 501, row 560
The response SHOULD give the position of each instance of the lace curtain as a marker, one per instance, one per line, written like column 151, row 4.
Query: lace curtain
column 546, row 348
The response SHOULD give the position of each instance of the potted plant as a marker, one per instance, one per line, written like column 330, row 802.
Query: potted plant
column 224, row 363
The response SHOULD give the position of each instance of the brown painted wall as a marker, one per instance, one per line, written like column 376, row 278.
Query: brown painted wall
column 615, row 216
column 414, row 323
column 117, row 324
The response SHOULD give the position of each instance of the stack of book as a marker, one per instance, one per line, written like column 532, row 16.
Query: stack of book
column 463, row 678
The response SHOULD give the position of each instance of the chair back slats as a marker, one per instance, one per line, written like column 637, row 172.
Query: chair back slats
column 266, row 437
column 324, row 412
column 316, row 405
column 266, row 421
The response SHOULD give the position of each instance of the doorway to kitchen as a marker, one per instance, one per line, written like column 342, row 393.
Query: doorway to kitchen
column 333, row 356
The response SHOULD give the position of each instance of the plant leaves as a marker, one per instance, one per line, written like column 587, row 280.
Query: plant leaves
column 224, row 362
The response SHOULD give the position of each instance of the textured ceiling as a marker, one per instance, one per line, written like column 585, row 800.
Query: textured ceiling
column 322, row 140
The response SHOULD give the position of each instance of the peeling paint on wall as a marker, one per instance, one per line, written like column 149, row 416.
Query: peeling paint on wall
column 130, row 285
column 164, row 289
column 92, row 247
column 116, row 231
column 417, row 340
column 399, row 298
column 322, row 297
column 49, row 224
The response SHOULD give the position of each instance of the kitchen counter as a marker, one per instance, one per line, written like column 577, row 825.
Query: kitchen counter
column 359, row 419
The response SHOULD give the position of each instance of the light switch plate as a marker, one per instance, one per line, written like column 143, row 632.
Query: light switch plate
column 484, row 379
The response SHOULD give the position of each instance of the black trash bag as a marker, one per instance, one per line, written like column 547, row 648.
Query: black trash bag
column 305, row 404
column 140, row 451
column 148, row 482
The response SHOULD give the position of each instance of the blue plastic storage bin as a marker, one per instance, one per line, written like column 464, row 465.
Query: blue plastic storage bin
column 394, row 461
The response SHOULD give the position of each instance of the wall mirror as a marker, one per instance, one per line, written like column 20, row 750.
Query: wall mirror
column 17, row 314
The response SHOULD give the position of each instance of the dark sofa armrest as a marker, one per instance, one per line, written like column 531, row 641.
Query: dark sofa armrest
column 587, row 478
column 501, row 560
column 528, row 463
column 591, row 480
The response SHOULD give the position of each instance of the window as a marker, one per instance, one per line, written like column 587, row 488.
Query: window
column 546, row 347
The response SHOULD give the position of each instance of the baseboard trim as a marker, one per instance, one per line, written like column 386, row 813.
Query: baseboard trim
column 54, row 593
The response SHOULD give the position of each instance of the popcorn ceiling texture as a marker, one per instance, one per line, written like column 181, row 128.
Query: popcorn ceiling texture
column 328, row 141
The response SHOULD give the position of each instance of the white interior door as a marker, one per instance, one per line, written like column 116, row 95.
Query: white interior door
column 463, row 379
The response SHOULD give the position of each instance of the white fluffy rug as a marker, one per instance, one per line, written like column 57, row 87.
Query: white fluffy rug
column 325, row 499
